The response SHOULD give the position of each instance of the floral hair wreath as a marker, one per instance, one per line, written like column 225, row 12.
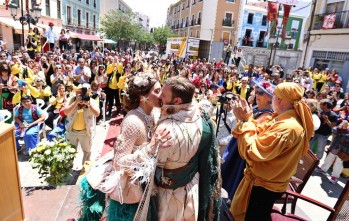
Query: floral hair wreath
column 142, row 80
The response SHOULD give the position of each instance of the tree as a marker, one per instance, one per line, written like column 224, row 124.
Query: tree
column 120, row 26
column 160, row 35
column 144, row 38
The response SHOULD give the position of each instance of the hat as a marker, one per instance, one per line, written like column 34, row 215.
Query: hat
column 293, row 93
column 266, row 86
column 244, row 79
column 50, row 24
column 15, row 69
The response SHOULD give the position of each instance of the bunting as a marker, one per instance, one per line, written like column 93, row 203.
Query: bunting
column 287, row 10
column 273, row 16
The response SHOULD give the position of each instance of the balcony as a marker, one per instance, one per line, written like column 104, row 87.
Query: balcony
column 262, row 44
column 228, row 22
column 341, row 20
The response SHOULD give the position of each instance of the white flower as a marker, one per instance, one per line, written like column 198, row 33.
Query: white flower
column 140, row 81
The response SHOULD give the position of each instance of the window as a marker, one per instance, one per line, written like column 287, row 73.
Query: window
column 94, row 21
column 87, row 2
column 194, row 1
column 335, row 7
column 47, row 5
column 199, row 19
column 183, row 6
column 230, row 0
column 228, row 20
column 188, row 4
column 192, row 20
column 94, row 4
column 87, row 19
column 264, row 20
column 69, row 19
column 79, row 17
column 59, row 9
column 179, row 8
column 250, row 18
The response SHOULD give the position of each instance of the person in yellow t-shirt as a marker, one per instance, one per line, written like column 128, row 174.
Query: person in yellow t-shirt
column 244, row 89
column 112, row 91
column 80, row 112
column 272, row 150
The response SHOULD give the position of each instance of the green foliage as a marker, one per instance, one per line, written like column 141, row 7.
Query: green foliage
column 161, row 34
column 121, row 26
column 53, row 159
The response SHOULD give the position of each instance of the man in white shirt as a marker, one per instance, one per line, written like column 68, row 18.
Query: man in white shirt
column 51, row 36
column 81, row 73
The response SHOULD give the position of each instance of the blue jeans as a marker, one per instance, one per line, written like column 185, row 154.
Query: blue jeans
column 30, row 137
column 58, row 131
column 321, row 144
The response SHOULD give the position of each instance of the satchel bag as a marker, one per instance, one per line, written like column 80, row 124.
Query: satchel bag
column 100, row 170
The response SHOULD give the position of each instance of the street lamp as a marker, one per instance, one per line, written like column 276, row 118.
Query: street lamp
column 272, row 41
column 28, row 18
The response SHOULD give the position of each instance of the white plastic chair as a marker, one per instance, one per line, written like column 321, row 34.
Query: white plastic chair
column 5, row 115
column 40, row 102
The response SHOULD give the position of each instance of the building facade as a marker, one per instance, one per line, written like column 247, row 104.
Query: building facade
column 325, row 42
column 81, row 16
column 144, row 20
column 214, row 21
column 254, row 38
column 11, row 30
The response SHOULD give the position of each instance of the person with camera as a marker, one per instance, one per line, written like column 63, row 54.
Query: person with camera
column 58, row 77
column 31, row 44
column 328, row 120
column 48, row 64
column 80, row 110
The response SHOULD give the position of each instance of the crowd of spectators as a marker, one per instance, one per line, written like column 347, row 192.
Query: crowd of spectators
column 57, row 76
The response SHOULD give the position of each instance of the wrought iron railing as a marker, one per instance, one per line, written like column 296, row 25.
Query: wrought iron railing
column 228, row 22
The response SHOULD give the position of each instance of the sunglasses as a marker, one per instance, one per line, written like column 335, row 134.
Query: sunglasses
column 58, row 68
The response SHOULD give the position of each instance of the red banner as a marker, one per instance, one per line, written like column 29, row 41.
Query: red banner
column 273, row 16
column 272, row 11
column 329, row 21
column 287, row 10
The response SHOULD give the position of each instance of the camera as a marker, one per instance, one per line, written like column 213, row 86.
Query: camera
column 84, row 95
column 227, row 97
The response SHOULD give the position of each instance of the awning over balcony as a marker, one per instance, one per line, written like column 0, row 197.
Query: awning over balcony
column 85, row 36
column 109, row 41
column 16, row 25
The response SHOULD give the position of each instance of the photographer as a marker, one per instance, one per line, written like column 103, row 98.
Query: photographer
column 80, row 110
column 31, row 46
column 225, row 119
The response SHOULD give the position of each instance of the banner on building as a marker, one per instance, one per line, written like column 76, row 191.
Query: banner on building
column 193, row 47
column 273, row 16
column 287, row 10
column 329, row 21
column 176, row 46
